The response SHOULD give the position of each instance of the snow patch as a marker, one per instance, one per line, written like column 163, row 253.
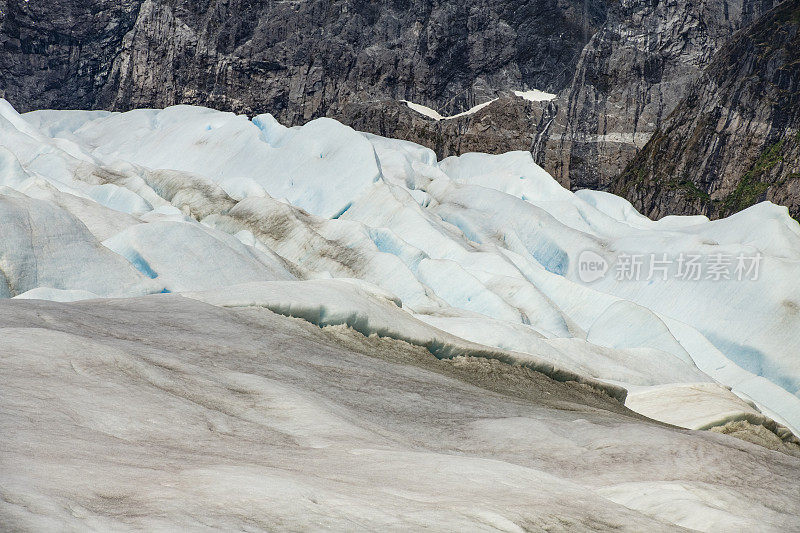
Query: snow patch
column 535, row 95
column 430, row 113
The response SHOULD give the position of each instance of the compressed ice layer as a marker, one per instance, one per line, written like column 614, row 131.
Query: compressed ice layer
column 165, row 413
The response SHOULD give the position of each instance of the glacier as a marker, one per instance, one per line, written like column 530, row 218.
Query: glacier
column 357, row 244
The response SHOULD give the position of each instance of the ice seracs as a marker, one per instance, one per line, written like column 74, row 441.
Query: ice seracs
column 408, row 334
column 479, row 247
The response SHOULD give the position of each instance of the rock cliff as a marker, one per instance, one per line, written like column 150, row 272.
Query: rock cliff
column 630, row 76
column 298, row 60
column 735, row 139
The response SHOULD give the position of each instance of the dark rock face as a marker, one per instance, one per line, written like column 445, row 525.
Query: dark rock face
column 298, row 60
column 59, row 54
column 631, row 75
column 735, row 139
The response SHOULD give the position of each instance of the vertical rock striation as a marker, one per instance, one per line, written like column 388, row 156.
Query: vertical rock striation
column 630, row 76
column 298, row 60
column 735, row 139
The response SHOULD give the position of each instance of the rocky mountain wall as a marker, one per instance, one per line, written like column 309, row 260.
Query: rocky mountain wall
column 298, row 60
column 734, row 139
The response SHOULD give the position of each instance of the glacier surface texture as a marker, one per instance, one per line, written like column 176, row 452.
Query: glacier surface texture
column 211, row 322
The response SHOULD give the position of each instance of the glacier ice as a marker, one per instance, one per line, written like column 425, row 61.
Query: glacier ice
column 470, row 236
column 165, row 413
column 474, row 235
column 473, row 258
